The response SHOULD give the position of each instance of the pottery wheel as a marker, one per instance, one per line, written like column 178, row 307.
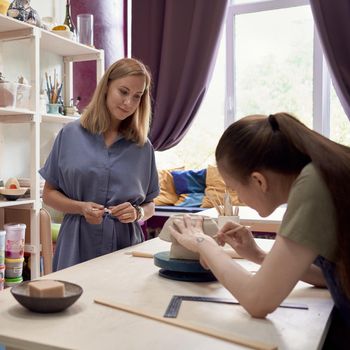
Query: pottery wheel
column 182, row 269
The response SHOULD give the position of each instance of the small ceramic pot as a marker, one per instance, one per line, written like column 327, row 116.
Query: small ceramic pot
column 53, row 108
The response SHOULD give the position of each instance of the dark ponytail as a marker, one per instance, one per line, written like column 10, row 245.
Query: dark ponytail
column 283, row 144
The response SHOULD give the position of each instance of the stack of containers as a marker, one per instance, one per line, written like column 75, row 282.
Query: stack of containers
column 14, row 253
column 2, row 259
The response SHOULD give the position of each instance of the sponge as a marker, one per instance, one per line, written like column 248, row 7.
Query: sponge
column 46, row 289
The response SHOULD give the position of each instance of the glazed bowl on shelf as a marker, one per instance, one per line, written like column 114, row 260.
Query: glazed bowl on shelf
column 63, row 33
column 12, row 194
column 46, row 304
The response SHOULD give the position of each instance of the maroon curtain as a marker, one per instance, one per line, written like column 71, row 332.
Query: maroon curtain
column 177, row 40
column 109, row 27
column 332, row 20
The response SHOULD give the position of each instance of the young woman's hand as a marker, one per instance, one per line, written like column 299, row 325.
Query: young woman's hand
column 241, row 240
column 189, row 233
column 93, row 212
column 124, row 212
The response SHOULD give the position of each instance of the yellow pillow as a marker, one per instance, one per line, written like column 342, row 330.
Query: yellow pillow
column 167, row 195
column 215, row 189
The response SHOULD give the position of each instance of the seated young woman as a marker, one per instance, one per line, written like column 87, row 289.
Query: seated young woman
column 269, row 161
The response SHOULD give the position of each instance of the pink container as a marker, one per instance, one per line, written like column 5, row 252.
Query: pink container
column 15, row 235
column 2, row 247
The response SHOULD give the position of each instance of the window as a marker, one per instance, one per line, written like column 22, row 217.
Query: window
column 274, row 63
column 196, row 149
column 339, row 122
column 273, row 57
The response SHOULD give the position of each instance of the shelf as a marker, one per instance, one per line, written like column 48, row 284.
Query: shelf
column 21, row 203
column 16, row 115
column 58, row 118
column 49, row 41
column 39, row 43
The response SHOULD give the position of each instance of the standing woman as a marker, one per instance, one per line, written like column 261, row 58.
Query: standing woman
column 270, row 161
column 101, row 171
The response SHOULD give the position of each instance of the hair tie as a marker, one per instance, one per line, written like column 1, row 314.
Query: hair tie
column 273, row 122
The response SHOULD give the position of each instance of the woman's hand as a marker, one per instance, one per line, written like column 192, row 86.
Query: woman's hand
column 241, row 240
column 189, row 233
column 93, row 212
column 124, row 212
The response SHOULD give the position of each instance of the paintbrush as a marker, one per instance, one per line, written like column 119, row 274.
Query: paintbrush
column 239, row 227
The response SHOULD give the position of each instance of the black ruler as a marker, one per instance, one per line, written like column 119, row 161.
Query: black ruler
column 175, row 303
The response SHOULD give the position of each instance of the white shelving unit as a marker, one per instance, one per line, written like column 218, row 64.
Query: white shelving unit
column 70, row 51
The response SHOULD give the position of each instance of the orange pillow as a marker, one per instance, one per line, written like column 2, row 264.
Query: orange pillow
column 167, row 195
column 215, row 189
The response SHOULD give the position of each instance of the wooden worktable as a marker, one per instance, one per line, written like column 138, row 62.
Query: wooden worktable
column 134, row 281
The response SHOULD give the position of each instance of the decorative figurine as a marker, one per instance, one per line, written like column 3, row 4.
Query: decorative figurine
column 22, row 11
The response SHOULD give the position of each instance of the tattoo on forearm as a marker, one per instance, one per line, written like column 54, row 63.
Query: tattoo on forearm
column 199, row 239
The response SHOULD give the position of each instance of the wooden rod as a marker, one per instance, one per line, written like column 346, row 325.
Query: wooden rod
column 232, row 253
column 142, row 254
column 182, row 324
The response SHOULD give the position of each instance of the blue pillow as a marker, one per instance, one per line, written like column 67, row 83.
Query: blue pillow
column 190, row 200
column 189, row 181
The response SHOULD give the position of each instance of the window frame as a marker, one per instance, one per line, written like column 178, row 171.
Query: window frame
column 321, row 77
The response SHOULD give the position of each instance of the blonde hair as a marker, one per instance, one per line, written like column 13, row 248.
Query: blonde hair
column 96, row 117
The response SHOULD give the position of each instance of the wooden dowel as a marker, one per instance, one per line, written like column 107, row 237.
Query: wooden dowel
column 140, row 254
column 233, row 231
column 236, row 339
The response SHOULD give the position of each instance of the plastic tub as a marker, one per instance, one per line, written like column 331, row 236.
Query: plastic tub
column 23, row 96
column 14, row 267
column 15, row 234
column 8, row 94
column 11, row 282
column 2, row 247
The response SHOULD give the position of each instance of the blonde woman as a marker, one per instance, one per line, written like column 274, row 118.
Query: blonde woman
column 101, row 171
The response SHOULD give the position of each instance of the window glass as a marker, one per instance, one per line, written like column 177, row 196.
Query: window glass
column 340, row 123
column 197, row 148
column 273, row 65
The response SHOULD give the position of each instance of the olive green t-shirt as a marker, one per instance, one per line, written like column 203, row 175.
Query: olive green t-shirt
column 310, row 216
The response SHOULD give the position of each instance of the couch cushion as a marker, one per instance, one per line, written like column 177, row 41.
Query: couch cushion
column 189, row 181
column 215, row 189
column 190, row 186
column 190, row 200
column 167, row 195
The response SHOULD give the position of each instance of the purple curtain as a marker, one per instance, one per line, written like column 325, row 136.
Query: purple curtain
column 109, row 27
column 177, row 40
column 332, row 20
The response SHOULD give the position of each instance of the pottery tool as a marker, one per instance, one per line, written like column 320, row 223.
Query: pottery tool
column 227, row 205
column 236, row 211
column 236, row 339
column 234, row 230
column 184, row 270
column 215, row 204
column 175, row 303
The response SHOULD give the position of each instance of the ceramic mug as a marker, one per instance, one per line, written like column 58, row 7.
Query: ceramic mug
column 53, row 108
